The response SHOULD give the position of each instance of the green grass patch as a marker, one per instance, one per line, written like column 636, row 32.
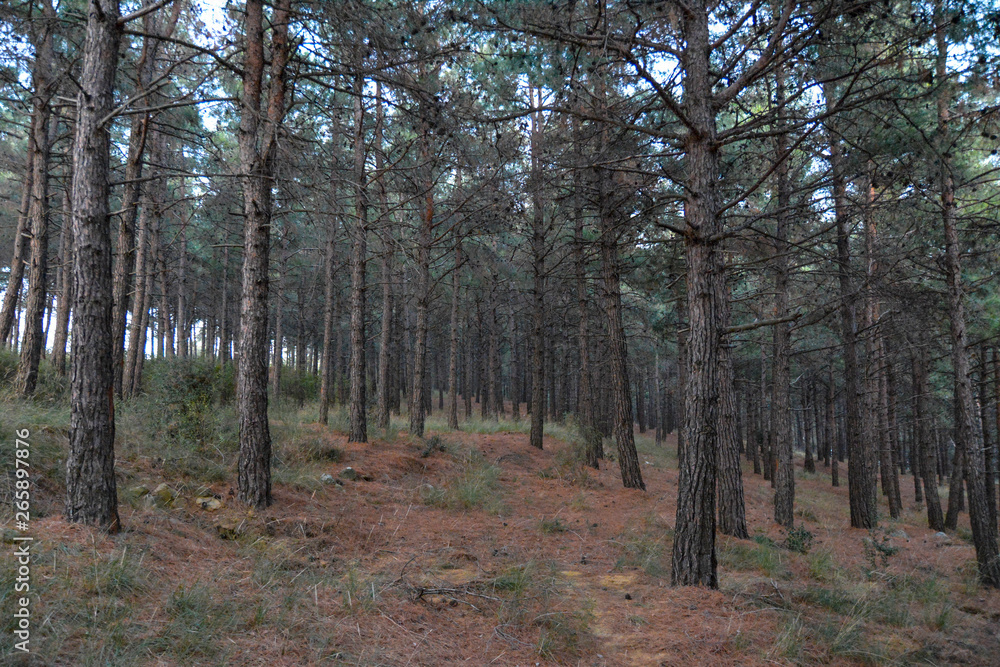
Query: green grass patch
column 646, row 545
column 760, row 555
column 476, row 486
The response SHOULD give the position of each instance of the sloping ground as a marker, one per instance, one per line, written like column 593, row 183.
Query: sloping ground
column 488, row 552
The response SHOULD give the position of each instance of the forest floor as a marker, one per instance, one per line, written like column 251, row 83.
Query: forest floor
column 482, row 552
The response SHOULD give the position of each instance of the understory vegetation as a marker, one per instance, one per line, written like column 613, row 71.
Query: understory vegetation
column 481, row 535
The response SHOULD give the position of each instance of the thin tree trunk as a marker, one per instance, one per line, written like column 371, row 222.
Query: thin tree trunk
column 38, row 211
column 781, row 426
column 988, row 447
column 385, row 381
column 224, row 335
column 984, row 530
column 831, row 430
column 257, row 168
column 125, row 264
column 140, row 301
column 278, row 353
column 996, row 415
column 385, row 336
column 22, row 240
column 453, row 346
column 65, row 284
column 359, row 253
column 876, row 404
column 862, row 489
column 538, row 289
column 807, row 426
column 892, row 429
column 470, row 369
column 923, row 443
column 628, row 458
column 183, row 326
column 593, row 447
column 329, row 315
column 732, row 510
column 425, row 237
column 494, row 399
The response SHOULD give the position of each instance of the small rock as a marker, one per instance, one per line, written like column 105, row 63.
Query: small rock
column 327, row 478
column 941, row 536
column 209, row 503
column 900, row 534
column 228, row 530
column 163, row 495
column 350, row 473
column 138, row 491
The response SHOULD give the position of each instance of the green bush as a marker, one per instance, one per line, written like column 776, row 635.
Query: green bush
column 50, row 386
column 878, row 549
column 8, row 367
column 798, row 540
column 300, row 386
column 184, row 394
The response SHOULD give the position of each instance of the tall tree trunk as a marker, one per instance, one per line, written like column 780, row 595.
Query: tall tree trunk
column 781, row 427
column 640, row 400
column 807, row 424
column 732, row 509
column 515, row 367
column 38, row 210
column 469, row 368
column 423, row 296
column 996, row 416
column 91, row 493
column 65, row 284
column 875, row 417
column 140, row 299
column 278, row 352
column 694, row 557
column 453, row 343
column 257, row 169
column 831, row 430
column 385, row 336
column 329, row 315
column 628, row 458
column 359, row 258
column 984, row 531
column 22, row 241
column 593, row 444
column 165, row 330
column 925, row 446
column 658, row 404
column 183, row 325
column 862, row 489
column 538, row 288
column 126, row 259
column 888, row 401
column 989, row 450
column 493, row 398
column 225, row 352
